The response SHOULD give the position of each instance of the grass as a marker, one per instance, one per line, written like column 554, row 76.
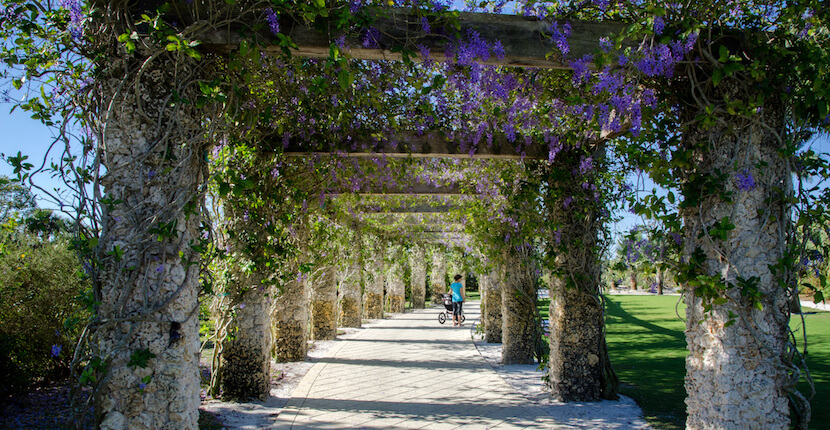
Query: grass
column 648, row 350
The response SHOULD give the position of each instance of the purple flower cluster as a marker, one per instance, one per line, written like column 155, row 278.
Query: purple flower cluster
column 76, row 17
column 56, row 350
column 745, row 181
column 559, row 37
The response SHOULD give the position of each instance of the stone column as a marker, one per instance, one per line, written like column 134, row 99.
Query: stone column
column 289, row 320
column 518, row 295
column 395, row 288
column 491, row 291
column 373, row 296
column 578, row 366
column 351, row 295
column 737, row 367
column 419, row 276
column 147, row 268
column 323, row 303
column 438, row 274
column 244, row 351
column 246, row 357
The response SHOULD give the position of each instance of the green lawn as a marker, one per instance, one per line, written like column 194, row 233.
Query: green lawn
column 648, row 350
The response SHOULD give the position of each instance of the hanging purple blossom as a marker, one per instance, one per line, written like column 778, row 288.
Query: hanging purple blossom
column 273, row 21
column 56, row 350
column 586, row 165
column 560, row 37
column 76, row 17
column 659, row 25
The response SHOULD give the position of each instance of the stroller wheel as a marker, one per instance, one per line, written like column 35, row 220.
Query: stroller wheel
column 463, row 318
column 442, row 318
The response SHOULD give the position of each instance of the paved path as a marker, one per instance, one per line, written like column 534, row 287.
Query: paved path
column 409, row 372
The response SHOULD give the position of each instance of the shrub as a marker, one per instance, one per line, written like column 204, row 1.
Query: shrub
column 39, row 283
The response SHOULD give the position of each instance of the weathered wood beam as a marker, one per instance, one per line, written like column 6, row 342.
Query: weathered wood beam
column 523, row 39
column 412, row 190
column 411, row 144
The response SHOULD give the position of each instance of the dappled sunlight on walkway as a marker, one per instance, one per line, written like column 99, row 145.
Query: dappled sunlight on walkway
column 409, row 372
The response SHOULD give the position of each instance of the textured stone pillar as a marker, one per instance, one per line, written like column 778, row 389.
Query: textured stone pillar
column 323, row 304
column 351, row 295
column 419, row 276
column 518, row 296
column 395, row 288
column 244, row 351
column 736, row 370
column 149, row 273
column 491, row 292
column 246, row 357
column 578, row 366
column 289, row 321
column 437, row 278
column 373, row 296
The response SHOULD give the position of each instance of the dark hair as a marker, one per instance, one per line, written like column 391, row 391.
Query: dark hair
column 457, row 277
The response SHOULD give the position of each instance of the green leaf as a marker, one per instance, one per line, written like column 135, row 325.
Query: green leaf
column 140, row 358
column 717, row 76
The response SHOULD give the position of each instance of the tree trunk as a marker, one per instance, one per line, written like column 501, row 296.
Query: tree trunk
column 395, row 285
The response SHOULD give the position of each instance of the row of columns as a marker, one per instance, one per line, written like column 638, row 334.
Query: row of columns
column 149, row 280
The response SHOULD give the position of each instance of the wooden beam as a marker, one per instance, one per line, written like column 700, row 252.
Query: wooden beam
column 410, row 144
column 523, row 39
column 413, row 190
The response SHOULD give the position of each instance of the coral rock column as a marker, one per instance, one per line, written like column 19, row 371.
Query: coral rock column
column 351, row 295
column 373, row 297
column 578, row 368
column 246, row 358
column 289, row 320
column 518, row 296
column 492, row 307
column 437, row 276
column 396, row 290
column 323, row 304
column 149, row 273
column 419, row 276
column 737, row 367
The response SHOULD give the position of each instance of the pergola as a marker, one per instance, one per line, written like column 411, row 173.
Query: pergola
column 729, row 365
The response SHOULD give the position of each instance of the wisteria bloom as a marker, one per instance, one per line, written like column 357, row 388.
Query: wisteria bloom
column 56, row 350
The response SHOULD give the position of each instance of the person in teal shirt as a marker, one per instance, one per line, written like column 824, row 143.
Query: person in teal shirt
column 457, row 300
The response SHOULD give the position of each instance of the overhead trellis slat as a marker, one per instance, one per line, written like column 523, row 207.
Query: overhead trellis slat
column 523, row 39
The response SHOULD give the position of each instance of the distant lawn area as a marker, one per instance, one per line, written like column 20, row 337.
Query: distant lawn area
column 648, row 351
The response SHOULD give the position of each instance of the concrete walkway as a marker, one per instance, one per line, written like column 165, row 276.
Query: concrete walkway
column 409, row 372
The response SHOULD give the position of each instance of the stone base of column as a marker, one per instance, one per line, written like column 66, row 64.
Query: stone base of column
column 323, row 326
column 373, row 305
column 290, row 341
column 350, row 312
column 492, row 317
column 397, row 304
column 246, row 372
column 418, row 299
column 576, row 336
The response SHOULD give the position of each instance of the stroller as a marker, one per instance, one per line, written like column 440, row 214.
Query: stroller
column 446, row 298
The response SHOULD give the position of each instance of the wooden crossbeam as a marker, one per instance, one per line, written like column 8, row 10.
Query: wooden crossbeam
column 524, row 39
column 418, row 190
column 427, row 145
